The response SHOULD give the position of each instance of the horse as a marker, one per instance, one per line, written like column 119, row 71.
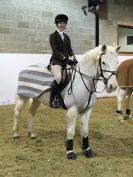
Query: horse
column 99, row 62
column 125, row 88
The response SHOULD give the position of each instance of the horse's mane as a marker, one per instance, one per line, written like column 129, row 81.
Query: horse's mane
column 90, row 56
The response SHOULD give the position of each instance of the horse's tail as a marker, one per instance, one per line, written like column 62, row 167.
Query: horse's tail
column 22, row 105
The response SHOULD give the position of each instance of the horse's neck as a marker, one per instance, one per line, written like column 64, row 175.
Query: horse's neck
column 88, row 64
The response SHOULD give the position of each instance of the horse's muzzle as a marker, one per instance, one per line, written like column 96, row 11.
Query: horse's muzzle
column 111, row 88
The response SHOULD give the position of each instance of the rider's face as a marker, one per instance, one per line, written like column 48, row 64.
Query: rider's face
column 61, row 26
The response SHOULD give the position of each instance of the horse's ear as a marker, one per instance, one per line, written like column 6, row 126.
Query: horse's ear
column 104, row 47
column 117, row 48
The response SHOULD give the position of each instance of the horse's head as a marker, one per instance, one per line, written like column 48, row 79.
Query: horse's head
column 107, row 61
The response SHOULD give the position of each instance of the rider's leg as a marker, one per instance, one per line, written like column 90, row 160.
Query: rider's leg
column 57, row 69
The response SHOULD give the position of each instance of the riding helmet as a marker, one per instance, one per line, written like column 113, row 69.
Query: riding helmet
column 61, row 18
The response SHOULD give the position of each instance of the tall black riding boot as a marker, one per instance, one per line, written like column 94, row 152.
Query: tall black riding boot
column 54, row 90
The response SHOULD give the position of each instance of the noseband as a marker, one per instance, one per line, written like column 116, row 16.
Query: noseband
column 105, row 80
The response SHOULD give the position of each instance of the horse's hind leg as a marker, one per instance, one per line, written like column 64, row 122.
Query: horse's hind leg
column 32, row 111
column 120, row 95
column 20, row 101
column 128, row 95
column 84, row 133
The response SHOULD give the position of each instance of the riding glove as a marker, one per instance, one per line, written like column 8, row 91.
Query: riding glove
column 75, row 60
column 68, row 61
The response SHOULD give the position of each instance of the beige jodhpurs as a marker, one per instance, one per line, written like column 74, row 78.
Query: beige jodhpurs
column 57, row 71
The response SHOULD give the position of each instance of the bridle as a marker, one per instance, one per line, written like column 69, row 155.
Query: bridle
column 104, row 79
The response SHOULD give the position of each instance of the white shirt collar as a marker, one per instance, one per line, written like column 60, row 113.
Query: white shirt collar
column 61, row 33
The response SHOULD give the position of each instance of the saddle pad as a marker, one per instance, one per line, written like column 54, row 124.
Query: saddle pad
column 34, row 80
column 125, row 73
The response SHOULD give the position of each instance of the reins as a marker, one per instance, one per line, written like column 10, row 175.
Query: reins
column 74, row 70
column 82, row 75
column 72, row 79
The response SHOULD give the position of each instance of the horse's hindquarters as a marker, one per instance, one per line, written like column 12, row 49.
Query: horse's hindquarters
column 121, row 93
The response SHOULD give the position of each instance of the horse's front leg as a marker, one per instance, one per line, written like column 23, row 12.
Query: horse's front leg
column 84, row 133
column 71, row 121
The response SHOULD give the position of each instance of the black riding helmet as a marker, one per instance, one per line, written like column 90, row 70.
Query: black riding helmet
column 61, row 18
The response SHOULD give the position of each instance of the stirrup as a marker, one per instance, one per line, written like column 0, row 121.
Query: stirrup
column 55, row 104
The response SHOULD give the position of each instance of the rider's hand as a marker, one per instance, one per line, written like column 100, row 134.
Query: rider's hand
column 75, row 60
column 68, row 61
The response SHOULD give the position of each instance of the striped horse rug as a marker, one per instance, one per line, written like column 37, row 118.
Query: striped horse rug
column 125, row 73
column 34, row 80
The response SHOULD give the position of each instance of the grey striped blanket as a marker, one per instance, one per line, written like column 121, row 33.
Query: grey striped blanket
column 34, row 80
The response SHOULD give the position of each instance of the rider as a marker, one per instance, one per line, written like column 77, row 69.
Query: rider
column 62, row 55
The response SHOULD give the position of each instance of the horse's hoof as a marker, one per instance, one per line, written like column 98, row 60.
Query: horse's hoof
column 88, row 153
column 16, row 137
column 130, row 116
column 120, row 119
column 71, row 156
column 32, row 135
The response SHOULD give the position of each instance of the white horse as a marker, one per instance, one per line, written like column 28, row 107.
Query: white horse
column 98, row 62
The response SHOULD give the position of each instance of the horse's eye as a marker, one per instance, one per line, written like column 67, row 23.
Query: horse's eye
column 103, row 62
